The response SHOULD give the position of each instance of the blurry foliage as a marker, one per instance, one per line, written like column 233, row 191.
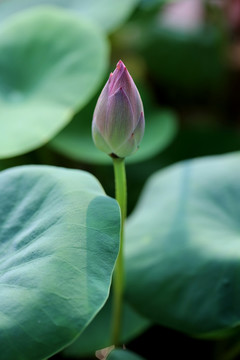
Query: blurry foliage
column 44, row 81
column 94, row 338
column 107, row 14
column 188, row 73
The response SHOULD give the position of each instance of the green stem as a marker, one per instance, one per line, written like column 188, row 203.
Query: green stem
column 118, row 276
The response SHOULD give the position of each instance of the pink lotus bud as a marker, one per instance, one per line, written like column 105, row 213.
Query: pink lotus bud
column 118, row 119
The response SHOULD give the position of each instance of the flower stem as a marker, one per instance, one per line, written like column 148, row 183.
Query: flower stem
column 118, row 276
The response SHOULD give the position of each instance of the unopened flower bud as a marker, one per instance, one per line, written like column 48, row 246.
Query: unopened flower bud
column 118, row 120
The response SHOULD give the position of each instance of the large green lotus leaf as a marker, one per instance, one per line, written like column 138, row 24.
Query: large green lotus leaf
column 183, row 249
column 75, row 141
column 108, row 14
column 58, row 245
column 94, row 338
column 50, row 65
column 149, row 4
column 120, row 354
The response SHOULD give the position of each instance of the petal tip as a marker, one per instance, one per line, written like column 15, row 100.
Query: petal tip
column 120, row 65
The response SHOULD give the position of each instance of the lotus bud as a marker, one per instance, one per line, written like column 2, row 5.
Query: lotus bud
column 118, row 120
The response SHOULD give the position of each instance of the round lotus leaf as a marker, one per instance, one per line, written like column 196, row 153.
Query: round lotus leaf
column 108, row 14
column 50, row 65
column 183, row 249
column 59, row 239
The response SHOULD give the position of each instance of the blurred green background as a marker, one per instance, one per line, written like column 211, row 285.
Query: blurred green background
column 183, row 55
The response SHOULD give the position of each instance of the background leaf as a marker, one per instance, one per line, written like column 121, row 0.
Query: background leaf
column 94, row 338
column 119, row 354
column 50, row 65
column 182, row 247
column 177, row 61
column 148, row 4
column 107, row 14
column 58, row 245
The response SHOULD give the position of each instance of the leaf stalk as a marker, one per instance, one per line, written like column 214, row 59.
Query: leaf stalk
column 118, row 276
